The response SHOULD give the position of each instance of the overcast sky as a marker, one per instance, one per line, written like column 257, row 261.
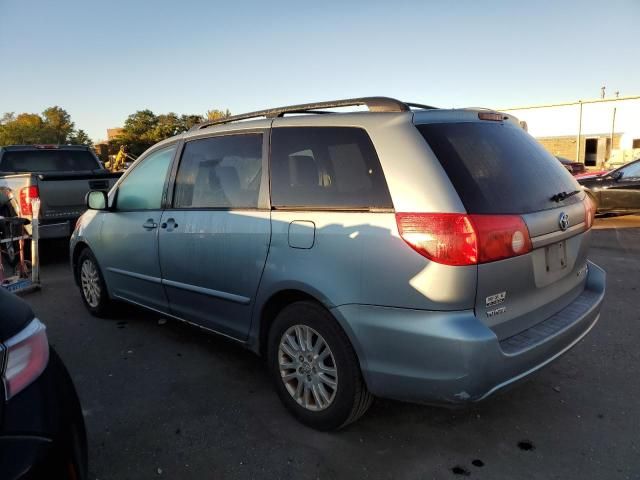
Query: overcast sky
column 102, row 60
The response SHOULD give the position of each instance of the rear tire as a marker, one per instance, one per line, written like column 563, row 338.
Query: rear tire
column 93, row 288
column 318, row 379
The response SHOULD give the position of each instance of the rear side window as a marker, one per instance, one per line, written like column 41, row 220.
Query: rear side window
column 220, row 172
column 326, row 167
column 498, row 168
column 50, row 160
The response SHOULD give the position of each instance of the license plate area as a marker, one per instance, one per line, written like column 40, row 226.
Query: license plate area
column 556, row 256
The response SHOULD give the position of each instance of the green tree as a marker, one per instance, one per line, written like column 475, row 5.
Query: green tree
column 23, row 129
column 218, row 114
column 53, row 126
column 168, row 125
column 140, row 123
column 137, row 132
column 188, row 121
column 7, row 117
column 143, row 128
column 79, row 137
column 58, row 125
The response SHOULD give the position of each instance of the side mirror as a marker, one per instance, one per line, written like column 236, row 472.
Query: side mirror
column 97, row 200
column 617, row 176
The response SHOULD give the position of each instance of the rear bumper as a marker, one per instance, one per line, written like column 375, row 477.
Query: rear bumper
column 452, row 357
column 34, row 425
column 56, row 228
column 20, row 454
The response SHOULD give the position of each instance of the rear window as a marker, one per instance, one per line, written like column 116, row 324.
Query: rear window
column 498, row 168
column 48, row 161
column 326, row 167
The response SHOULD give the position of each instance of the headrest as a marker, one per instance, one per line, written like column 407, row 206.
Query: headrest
column 306, row 171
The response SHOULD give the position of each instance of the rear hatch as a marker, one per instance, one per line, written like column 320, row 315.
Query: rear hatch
column 500, row 170
column 65, row 175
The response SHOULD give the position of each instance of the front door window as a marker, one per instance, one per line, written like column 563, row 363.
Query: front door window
column 142, row 188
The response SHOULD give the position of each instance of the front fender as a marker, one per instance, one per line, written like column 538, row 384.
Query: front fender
column 86, row 234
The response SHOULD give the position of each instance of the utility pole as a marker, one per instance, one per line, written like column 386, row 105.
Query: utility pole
column 613, row 129
column 578, row 142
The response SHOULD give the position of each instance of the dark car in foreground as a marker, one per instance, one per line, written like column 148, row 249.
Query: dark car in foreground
column 42, row 433
column 575, row 168
column 617, row 191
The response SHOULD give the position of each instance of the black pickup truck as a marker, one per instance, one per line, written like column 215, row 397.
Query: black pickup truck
column 59, row 175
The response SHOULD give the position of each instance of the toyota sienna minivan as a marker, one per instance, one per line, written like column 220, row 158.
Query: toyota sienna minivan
column 407, row 252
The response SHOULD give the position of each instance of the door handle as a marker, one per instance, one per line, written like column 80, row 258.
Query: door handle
column 149, row 224
column 170, row 224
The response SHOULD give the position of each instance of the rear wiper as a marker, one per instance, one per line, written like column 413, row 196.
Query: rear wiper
column 558, row 197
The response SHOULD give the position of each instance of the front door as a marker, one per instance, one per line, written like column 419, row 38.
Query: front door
column 215, row 238
column 129, row 253
column 624, row 193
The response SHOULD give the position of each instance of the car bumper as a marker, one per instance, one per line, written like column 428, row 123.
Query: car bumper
column 19, row 454
column 56, row 229
column 452, row 357
column 35, row 422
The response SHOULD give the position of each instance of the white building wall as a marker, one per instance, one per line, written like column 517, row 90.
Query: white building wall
column 597, row 119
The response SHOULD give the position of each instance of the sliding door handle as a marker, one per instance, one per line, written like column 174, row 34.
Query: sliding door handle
column 149, row 224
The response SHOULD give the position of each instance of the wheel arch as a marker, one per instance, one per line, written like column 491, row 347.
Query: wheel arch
column 75, row 255
column 278, row 300
column 274, row 305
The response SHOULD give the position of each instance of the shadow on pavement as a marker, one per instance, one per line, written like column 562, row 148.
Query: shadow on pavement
column 616, row 222
column 54, row 251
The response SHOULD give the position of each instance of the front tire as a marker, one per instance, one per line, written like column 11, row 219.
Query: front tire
column 93, row 289
column 315, row 368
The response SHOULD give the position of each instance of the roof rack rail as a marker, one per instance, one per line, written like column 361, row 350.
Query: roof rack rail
column 420, row 106
column 375, row 104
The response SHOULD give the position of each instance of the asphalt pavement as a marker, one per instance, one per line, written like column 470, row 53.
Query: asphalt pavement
column 166, row 400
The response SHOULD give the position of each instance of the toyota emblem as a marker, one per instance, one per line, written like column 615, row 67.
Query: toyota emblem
column 563, row 221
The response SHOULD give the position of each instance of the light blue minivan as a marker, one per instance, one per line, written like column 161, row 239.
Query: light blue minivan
column 407, row 252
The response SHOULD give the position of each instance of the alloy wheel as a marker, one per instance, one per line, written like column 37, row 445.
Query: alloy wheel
column 90, row 281
column 308, row 368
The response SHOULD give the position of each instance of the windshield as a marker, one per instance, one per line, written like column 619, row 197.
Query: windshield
column 48, row 161
column 498, row 168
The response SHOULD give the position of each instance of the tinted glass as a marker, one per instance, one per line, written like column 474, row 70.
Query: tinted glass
column 498, row 168
column 220, row 172
column 333, row 167
column 142, row 188
column 48, row 161
column 631, row 171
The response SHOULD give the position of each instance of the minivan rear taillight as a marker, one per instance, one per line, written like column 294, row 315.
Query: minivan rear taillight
column 27, row 356
column 447, row 238
column 461, row 239
column 27, row 195
column 500, row 236
column 589, row 212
